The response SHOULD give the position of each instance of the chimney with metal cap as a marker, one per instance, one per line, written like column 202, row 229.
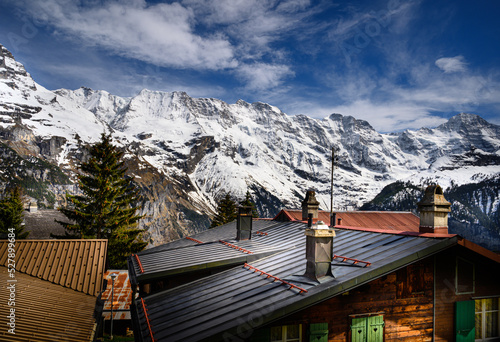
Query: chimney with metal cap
column 319, row 251
column 244, row 223
column 310, row 206
column 434, row 209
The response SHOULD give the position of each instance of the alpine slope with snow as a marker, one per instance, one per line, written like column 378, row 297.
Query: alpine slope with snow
column 186, row 152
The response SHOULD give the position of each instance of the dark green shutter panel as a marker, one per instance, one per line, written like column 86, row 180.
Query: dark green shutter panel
column 376, row 329
column 465, row 321
column 358, row 330
column 261, row 335
column 318, row 332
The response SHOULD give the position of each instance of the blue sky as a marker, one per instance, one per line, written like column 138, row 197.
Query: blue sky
column 397, row 64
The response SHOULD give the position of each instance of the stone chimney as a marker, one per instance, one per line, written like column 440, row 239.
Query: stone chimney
column 319, row 251
column 244, row 223
column 434, row 209
column 310, row 206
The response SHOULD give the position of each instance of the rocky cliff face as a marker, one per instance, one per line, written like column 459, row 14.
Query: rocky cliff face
column 185, row 152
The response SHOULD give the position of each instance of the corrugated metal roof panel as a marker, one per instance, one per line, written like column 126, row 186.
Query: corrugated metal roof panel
column 76, row 264
column 239, row 299
column 46, row 312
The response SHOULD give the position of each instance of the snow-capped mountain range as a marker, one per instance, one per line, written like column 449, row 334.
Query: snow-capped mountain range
column 186, row 152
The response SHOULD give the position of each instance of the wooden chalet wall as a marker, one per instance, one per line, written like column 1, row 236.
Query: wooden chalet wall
column 486, row 278
column 404, row 298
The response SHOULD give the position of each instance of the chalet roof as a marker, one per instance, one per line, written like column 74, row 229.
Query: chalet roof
column 386, row 220
column 229, row 303
column 46, row 312
column 75, row 264
column 223, row 232
column 162, row 262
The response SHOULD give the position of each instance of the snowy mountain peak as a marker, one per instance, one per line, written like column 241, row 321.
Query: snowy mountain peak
column 13, row 73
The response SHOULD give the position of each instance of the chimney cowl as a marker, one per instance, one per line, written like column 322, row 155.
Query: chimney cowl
column 434, row 209
column 244, row 223
column 310, row 205
column 319, row 252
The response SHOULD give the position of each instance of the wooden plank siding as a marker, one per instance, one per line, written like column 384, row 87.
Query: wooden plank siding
column 407, row 313
column 487, row 284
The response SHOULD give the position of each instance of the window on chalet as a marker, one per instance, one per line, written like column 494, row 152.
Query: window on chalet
column 411, row 281
column 286, row 333
column 367, row 329
column 487, row 319
column 464, row 277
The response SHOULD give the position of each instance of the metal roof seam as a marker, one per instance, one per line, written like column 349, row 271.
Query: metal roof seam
column 275, row 278
column 235, row 247
column 139, row 263
column 147, row 320
column 356, row 261
column 192, row 239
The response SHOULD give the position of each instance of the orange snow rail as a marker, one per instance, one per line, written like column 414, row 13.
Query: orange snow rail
column 190, row 238
column 139, row 262
column 275, row 278
column 351, row 259
column 235, row 247
column 147, row 320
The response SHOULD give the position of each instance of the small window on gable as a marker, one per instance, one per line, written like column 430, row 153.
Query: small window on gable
column 411, row 281
column 464, row 276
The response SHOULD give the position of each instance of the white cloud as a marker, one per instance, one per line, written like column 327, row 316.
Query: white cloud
column 261, row 76
column 161, row 34
column 390, row 116
column 452, row 64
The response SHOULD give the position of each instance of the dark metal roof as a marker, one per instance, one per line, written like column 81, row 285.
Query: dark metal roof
column 236, row 301
column 224, row 232
column 167, row 261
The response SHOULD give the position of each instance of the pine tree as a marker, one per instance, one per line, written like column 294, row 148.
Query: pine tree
column 104, row 210
column 248, row 202
column 11, row 214
column 226, row 211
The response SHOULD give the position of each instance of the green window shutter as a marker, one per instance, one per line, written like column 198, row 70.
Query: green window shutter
column 376, row 329
column 465, row 321
column 358, row 330
column 318, row 332
column 261, row 335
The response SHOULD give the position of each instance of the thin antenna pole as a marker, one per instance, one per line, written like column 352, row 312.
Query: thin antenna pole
column 331, row 183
